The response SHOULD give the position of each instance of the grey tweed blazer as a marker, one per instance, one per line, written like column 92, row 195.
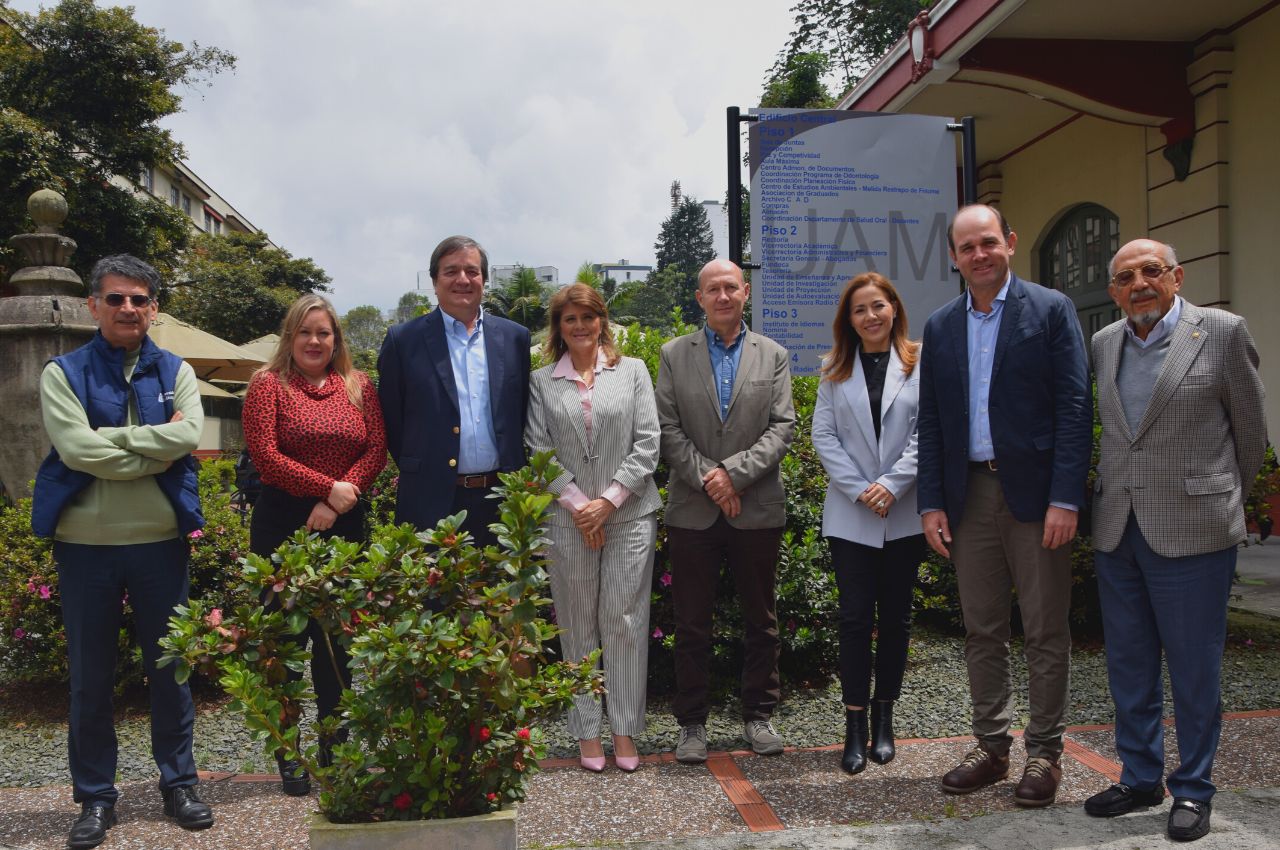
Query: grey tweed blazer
column 624, row 436
column 1200, row 442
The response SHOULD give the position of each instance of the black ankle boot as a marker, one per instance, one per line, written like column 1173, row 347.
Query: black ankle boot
column 882, row 750
column 854, row 759
column 294, row 780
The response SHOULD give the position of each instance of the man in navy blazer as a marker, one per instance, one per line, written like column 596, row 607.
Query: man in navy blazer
column 454, row 385
column 1004, row 443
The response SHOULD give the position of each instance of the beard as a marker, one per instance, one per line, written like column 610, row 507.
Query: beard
column 1147, row 315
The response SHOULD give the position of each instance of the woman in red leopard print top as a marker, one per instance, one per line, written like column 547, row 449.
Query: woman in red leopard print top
column 314, row 429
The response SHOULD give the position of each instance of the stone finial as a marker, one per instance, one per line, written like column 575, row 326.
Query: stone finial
column 48, row 210
column 46, row 251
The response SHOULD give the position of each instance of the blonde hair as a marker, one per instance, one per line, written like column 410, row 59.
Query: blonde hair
column 281, row 363
column 579, row 295
column 837, row 366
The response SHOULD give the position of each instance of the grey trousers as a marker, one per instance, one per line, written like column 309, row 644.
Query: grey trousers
column 995, row 554
column 602, row 602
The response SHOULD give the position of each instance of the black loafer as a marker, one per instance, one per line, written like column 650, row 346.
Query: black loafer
column 1120, row 799
column 189, row 810
column 90, row 829
column 294, row 780
column 1189, row 819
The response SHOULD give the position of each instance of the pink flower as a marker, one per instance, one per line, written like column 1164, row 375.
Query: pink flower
column 44, row 591
column 214, row 617
column 19, row 634
column 196, row 535
column 31, row 585
column 657, row 631
column 665, row 581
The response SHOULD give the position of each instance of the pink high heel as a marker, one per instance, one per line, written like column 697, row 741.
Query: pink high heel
column 595, row 764
column 627, row 764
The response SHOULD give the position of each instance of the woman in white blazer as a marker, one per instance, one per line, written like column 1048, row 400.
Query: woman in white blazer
column 864, row 430
column 596, row 410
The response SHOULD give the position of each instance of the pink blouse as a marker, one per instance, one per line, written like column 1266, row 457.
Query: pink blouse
column 572, row 497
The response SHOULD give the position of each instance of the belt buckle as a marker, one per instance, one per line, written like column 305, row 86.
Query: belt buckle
column 991, row 464
column 467, row 479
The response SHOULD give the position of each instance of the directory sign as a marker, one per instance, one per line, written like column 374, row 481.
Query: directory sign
column 837, row 193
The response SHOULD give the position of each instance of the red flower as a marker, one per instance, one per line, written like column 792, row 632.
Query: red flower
column 480, row 733
column 402, row 801
column 523, row 734
column 450, row 539
column 491, row 797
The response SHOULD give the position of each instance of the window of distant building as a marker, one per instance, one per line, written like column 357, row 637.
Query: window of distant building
column 1074, row 257
column 174, row 196
column 186, row 204
column 149, row 179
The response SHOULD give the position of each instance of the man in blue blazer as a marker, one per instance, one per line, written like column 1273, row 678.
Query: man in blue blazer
column 1004, row 442
column 454, row 385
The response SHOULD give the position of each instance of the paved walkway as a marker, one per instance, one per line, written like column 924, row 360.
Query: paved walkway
column 739, row 801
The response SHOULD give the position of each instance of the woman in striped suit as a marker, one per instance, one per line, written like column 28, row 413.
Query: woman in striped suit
column 595, row 409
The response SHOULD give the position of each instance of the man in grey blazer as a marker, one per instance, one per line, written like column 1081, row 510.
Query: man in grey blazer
column 1183, row 435
column 724, row 404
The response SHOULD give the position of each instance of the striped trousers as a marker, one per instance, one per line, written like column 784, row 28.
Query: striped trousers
column 602, row 601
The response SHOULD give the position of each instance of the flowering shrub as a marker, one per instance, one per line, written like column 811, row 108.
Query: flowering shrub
column 442, row 719
column 32, row 641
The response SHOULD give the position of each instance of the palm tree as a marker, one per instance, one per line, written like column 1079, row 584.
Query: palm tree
column 522, row 299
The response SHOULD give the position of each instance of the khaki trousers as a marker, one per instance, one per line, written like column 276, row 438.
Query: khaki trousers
column 995, row 555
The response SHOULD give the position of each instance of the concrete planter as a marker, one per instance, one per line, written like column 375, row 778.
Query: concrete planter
column 494, row 831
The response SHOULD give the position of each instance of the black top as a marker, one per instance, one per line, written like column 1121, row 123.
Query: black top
column 875, row 367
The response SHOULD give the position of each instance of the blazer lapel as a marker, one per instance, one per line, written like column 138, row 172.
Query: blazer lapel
column 894, row 380
column 438, row 351
column 1108, row 371
column 747, row 365
column 1008, row 323
column 958, row 327
column 855, row 393
column 1184, row 346
column 571, row 400
column 497, row 367
column 702, row 369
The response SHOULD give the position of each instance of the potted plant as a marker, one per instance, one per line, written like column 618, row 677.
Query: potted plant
column 447, row 644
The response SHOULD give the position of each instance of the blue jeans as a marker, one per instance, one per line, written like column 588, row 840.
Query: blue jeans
column 1178, row 606
column 92, row 581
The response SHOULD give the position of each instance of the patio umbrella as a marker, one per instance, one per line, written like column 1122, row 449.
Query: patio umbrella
column 212, row 358
column 263, row 346
column 208, row 390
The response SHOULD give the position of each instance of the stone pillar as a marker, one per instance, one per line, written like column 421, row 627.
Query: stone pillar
column 48, row 316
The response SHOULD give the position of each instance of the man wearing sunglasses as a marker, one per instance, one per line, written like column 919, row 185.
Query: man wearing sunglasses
column 1183, row 435
column 118, row 495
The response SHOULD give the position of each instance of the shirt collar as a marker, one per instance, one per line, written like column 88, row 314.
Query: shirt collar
column 713, row 338
column 1162, row 328
column 999, row 299
column 564, row 366
column 455, row 327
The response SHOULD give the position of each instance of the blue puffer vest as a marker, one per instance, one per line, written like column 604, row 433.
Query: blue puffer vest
column 95, row 373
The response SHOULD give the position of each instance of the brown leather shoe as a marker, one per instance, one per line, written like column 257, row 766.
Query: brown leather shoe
column 1039, row 783
column 978, row 770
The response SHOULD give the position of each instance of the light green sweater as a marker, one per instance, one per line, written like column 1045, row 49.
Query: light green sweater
column 123, row 505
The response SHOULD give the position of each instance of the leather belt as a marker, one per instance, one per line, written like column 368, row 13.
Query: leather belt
column 477, row 480
column 983, row 465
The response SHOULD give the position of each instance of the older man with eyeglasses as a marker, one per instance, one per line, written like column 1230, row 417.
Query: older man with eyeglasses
column 118, row 495
column 1183, row 435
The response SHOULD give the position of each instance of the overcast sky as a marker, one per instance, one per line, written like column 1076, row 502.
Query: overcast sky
column 361, row 132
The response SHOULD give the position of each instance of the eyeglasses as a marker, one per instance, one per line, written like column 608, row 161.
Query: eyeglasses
column 117, row 299
column 1151, row 272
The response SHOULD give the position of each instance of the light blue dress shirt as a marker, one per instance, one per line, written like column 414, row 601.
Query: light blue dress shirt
column 724, row 364
column 478, row 449
column 983, row 329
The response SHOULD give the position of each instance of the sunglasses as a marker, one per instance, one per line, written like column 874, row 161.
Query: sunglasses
column 117, row 299
column 1150, row 272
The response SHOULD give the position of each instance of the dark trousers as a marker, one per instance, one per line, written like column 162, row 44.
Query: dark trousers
column 482, row 512
column 875, row 595
column 1176, row 606
column 752, row 558
column 93, row 581
column 276, row 516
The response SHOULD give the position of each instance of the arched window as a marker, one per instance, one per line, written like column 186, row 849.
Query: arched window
column 1074, row 257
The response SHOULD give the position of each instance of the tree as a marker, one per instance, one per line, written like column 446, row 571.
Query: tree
column 413, row 303
column 853, row 35
column 363, row 328
column 685, row 244
column 651, row 302
column 798, row 83
column 522, row 298
column 238, row 285
column 83, row 91
column 588, row 275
